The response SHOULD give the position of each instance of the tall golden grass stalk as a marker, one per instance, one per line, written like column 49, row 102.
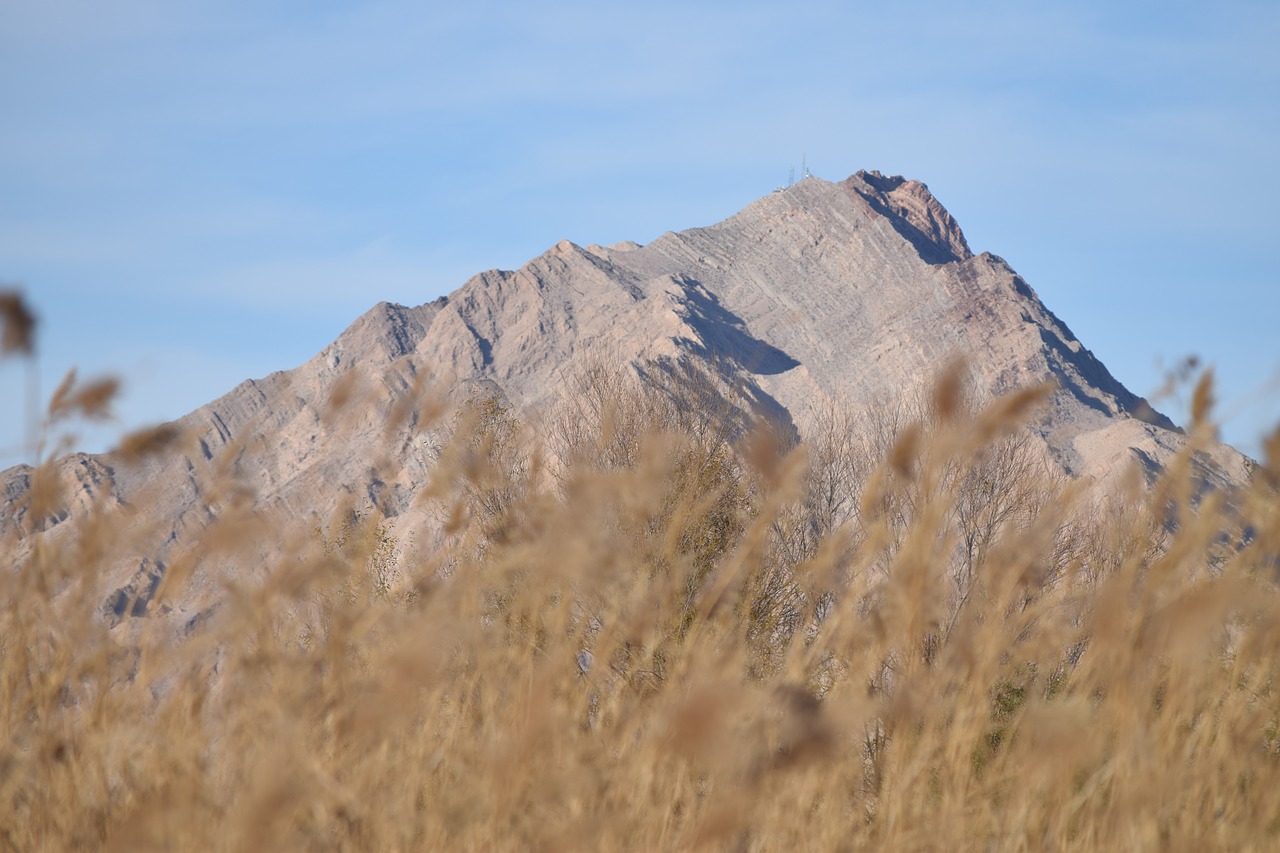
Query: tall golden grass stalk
column 641, row 632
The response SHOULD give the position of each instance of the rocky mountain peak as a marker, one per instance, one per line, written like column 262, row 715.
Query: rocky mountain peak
column 919, row 217
column 854, row 291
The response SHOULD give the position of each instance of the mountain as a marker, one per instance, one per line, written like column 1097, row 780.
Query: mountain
column 855, row 290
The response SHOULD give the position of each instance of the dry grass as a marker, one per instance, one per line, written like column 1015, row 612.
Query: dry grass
column 673, row 638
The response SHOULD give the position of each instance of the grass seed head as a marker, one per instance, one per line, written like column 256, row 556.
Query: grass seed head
column 17, row 334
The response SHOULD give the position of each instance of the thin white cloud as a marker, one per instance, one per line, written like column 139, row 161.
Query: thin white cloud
column 161, row 232
column 352, row 280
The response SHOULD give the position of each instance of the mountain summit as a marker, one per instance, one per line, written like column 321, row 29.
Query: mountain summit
column 856, row 291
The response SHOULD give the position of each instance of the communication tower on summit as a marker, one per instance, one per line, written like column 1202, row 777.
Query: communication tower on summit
column 804, row 173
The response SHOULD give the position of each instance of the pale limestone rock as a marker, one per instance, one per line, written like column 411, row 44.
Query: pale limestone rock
column 856, row 290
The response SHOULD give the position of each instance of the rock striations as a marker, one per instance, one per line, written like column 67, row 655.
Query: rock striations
column 855, row 290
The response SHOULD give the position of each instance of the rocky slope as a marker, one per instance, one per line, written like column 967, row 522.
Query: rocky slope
column 856, row 289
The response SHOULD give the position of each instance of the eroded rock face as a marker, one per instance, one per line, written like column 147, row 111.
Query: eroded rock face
column 915, row 214
column 855, row 290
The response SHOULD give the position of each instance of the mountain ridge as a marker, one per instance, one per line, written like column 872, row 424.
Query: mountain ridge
column 855, row 290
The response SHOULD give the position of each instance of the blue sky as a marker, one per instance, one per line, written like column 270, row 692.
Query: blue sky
column 195, row 193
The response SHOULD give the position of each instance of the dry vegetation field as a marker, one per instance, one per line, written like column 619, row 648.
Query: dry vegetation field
column 644, row 629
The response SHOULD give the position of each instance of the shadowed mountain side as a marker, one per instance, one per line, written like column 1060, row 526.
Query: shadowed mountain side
column 915, row 214
column 721, row 334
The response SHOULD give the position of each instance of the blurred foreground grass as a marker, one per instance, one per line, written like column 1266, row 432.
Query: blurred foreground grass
column 643, row 628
